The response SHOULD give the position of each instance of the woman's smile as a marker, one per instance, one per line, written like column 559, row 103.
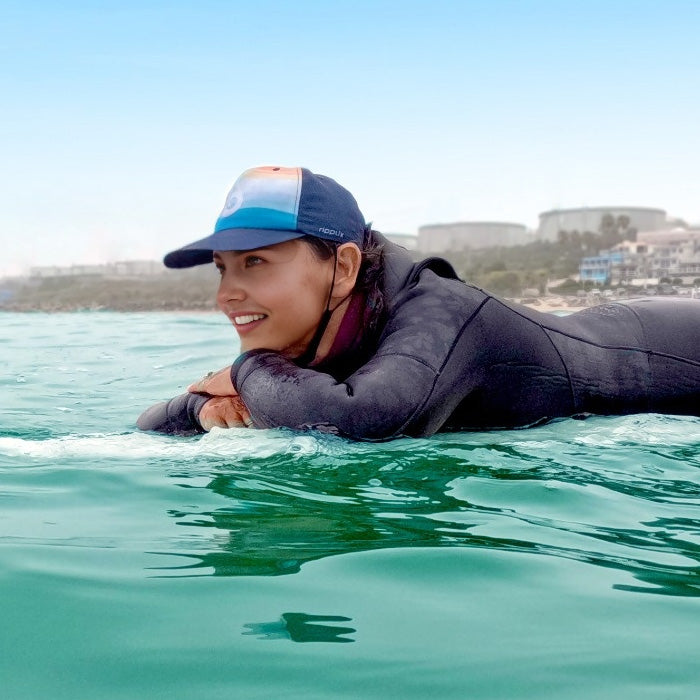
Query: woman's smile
column 242, row 321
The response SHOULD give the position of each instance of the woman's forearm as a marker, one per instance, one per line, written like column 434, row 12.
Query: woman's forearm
column 178, row 416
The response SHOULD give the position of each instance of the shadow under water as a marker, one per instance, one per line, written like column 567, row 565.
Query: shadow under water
column 301, row 627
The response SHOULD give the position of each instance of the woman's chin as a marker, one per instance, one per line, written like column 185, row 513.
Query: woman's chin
column 247, row 347
column 289, row 352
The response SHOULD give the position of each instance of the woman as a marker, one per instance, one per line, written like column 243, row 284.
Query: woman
column 341, row 332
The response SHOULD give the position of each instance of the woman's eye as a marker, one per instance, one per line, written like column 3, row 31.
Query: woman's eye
column 221, row 269
column 252, row 260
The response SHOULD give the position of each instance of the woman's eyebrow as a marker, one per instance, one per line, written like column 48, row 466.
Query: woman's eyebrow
column 253, row 251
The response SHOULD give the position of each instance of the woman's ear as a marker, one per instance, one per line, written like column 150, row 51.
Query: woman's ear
column 347, row 269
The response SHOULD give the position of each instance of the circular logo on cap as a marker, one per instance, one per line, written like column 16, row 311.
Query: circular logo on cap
column 233, row 202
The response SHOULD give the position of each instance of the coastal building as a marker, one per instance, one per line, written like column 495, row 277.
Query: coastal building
column 596, row 219
column 440, row 238
column 68, row 271
column 122, row 268
column 135, row 268
column 669, row 236
column 675, row 254
column 599, row 268
column 672, row 254
column 406, row 240
column 50, row 271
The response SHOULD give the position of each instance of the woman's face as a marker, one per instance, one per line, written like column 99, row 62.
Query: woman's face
column 274, row 296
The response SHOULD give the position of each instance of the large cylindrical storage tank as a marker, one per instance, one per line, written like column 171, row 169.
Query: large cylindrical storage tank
column 592, row 219
column 438, row 238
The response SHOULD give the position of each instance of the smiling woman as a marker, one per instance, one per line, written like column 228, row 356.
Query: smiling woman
column 275, row 296
column 342, row 332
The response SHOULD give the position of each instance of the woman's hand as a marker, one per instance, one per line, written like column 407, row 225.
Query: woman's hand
column 226, row 408
column 215, row 384
column 224, row 412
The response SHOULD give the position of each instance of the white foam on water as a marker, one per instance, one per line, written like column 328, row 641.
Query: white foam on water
column 604, row 432
column 608, row 431
column 643, row 429
column 137, row 445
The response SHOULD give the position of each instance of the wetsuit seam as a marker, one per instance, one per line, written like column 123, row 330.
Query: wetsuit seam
column 650, row 375
column 438, row 372
column 601, row 345
column 419, row 360
column 646, row 351
column 547, row 332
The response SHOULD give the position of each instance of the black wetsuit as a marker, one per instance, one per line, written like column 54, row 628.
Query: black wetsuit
column 453, row 357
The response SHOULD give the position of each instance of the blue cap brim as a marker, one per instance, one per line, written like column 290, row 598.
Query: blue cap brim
column 201, row 252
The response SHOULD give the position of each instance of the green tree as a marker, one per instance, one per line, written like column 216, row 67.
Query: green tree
column 506, row 282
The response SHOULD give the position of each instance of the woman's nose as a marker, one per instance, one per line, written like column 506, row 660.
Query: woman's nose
column 230, row 289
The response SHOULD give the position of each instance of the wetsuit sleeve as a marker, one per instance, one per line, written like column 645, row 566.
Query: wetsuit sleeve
column 178, row 416
column 280, row 394
column 392, row 395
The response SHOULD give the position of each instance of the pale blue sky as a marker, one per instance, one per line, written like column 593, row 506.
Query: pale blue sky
column 124, row 123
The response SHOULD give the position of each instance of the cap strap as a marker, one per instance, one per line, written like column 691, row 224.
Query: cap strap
column 310, row 353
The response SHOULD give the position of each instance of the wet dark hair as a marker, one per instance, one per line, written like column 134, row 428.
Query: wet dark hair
column 370, row 279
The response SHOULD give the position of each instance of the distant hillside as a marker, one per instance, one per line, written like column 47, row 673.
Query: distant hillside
column 192, row 289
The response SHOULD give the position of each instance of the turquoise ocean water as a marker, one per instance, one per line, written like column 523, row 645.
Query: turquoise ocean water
column 556, row 562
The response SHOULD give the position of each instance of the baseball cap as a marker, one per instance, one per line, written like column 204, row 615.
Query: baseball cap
column 272, row 204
